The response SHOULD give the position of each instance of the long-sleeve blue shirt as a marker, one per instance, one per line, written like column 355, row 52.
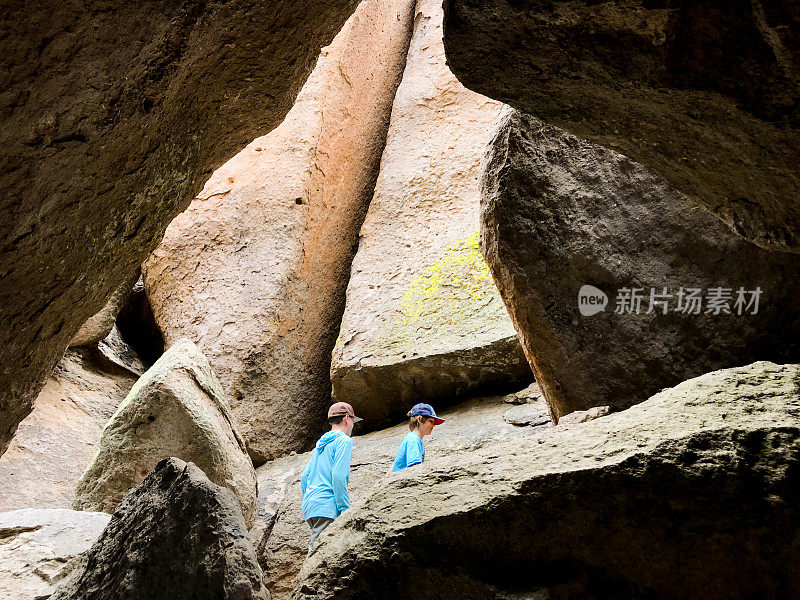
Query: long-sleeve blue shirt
column 325, row 478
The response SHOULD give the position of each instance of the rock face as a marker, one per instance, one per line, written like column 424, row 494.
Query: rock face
column 101, row 324
column 118, row 351
column 176, row 536
column 692, row 494
column 559, row 213
column 177, row 408
column 105, row 138
column 54, row 443
column 255, row 270
column 477, row 423
column 423, row 318
column 706, row 97
column 39, row 548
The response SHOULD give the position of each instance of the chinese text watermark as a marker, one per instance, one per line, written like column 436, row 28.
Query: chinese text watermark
column 685, row 300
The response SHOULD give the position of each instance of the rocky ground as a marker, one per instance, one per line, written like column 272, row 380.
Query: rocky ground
column 690, row 494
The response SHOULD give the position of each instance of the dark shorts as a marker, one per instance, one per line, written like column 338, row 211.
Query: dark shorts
column 317, row 524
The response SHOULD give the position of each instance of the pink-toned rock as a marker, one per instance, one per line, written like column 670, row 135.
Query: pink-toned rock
column 56, row 442
column 255, row 270
column 423, row 317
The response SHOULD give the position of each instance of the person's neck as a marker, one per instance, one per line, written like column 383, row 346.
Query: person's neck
column 420, row 435
column 338, row 428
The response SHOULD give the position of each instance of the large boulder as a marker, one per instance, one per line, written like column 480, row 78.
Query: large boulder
column 560, row 213
column 53, row 444
column 113, row 117
column 39, row 547
column 177, row 408
column 480, row 422
column 177, row 536
column 423, row 318
column 255, row 270
column 693, row 494
column 705, row 95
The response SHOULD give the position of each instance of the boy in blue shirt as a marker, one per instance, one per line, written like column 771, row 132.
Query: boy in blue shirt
column 411, row 451
column 323, row 483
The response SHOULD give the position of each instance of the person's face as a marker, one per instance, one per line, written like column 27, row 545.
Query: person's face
column 349, row 423
column 426, row 426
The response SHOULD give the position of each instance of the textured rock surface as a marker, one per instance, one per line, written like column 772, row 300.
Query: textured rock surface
column 176, row 536
column 117, row 350
column 100, row 325
column 559, row 213
column 177, row 408
column 423, row 318
column 38, row 548
column 105, row 138
column 692, row 494
column 55, row 443
column 476, row 423
column 255, row 270
column 706, row 96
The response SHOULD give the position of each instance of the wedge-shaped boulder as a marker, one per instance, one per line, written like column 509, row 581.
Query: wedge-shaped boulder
column 685, row 294
column 177, row 408
column 423, row 318
column 176, row 536
column 691, row 494
column 39, row 547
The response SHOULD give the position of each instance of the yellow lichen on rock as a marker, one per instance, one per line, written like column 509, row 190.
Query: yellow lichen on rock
column 458, row 286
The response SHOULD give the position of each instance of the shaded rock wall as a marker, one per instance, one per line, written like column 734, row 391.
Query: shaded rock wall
column 705, row 95
column 117, row 350
column 56, row 442
column 423, row 319
column 692, row 494
column 113, row 117
column 99, row 325
column 255, row 270
column 559, row 213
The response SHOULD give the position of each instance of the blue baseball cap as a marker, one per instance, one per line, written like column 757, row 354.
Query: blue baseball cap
column 426, row 410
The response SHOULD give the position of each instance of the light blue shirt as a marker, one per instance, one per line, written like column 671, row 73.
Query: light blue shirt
column 410, row 452
column 325, row 478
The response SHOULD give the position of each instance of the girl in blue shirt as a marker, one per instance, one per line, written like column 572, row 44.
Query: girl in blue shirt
column 411, row 451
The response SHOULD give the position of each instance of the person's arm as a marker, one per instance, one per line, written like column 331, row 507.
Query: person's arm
column 414, row 454
column 304, row 478
column 340, row 475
